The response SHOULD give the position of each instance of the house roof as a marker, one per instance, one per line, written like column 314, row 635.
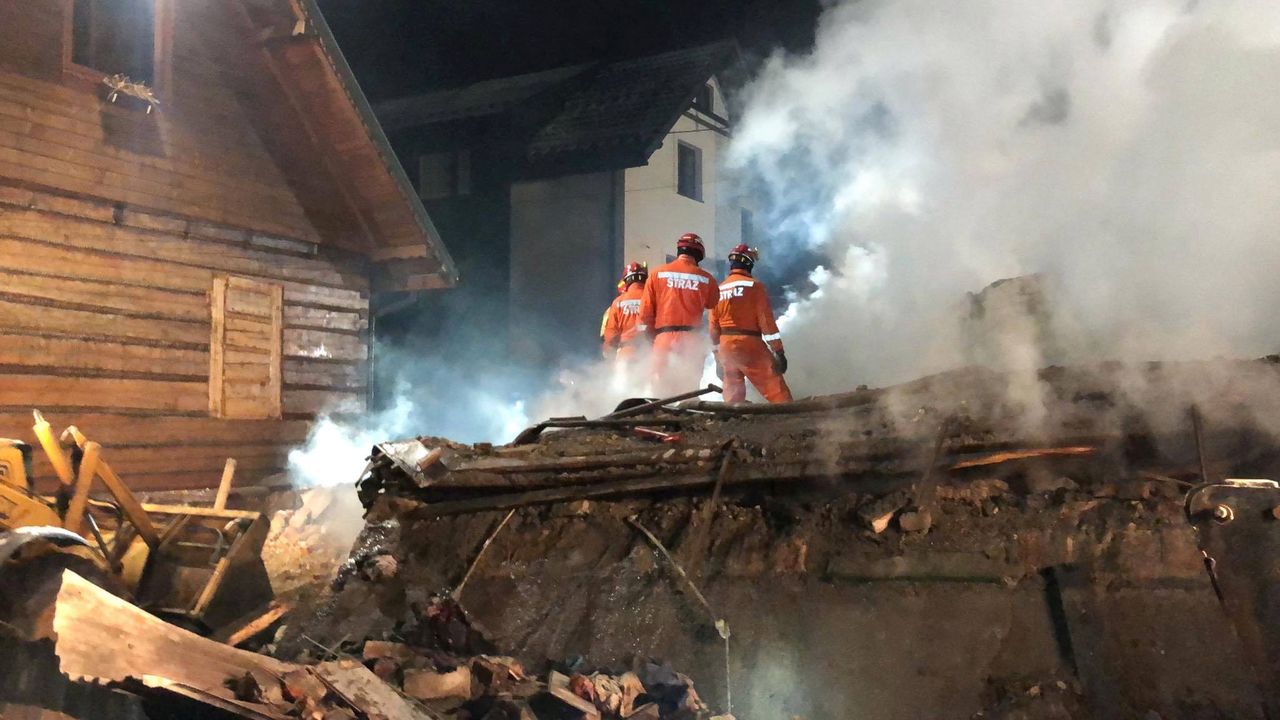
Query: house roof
column 481, row 99
column 333, row 140
column 616, row 113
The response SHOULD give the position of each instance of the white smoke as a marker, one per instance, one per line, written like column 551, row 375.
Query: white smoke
column 338, row 446
column 1127, row 149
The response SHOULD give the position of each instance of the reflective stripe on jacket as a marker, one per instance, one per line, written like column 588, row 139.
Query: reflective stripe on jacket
column 677, row 294
column 622, row 320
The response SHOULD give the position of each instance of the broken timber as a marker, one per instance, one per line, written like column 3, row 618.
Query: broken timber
column 652, row 478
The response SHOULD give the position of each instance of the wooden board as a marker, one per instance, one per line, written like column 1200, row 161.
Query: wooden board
column 86, row 357
column 116, row 431
column 23, row 391
column 245, row 373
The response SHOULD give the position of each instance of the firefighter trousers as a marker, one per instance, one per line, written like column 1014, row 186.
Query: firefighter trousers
column 748, row 357
column 677, row 361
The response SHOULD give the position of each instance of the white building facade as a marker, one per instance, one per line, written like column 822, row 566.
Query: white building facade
column 680, row 190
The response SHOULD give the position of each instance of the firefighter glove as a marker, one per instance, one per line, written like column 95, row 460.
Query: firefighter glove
column 780, row 362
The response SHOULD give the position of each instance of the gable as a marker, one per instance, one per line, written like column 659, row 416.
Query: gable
column 260, row 127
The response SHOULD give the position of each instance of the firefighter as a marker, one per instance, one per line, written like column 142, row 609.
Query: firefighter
column 744, row 334
column 621, row 334
column 671, row 314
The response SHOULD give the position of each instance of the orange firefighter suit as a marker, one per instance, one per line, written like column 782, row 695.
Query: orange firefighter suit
column 621, row 332
column 744, row 331
column 671, row 313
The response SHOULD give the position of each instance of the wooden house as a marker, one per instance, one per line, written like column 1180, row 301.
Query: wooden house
column 187, row 255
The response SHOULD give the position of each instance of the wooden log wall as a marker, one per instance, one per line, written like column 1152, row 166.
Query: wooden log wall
column 114, row 224
column 200, row 155
column 105, row 323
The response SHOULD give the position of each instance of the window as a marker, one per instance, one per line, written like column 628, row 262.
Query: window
column 115, row 36
column 705, row 100
column 444, row 174
column 748, row 230
column 689, row 171
column 245, row 348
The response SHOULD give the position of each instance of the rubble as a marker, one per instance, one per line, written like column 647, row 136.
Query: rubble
column 1045, row 565
column 859, row 525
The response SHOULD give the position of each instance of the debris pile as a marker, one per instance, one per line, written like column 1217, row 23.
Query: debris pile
column 972, row 544
column 311, row 536
column 889, row 553
column 444, row 662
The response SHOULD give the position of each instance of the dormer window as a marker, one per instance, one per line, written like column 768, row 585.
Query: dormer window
column 115, row 37
column 705, row 100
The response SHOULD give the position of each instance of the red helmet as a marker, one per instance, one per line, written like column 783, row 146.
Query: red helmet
column 692, row 244
column 635, row 272
column 745, row 255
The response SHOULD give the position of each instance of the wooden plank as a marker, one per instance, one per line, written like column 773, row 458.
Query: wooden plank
column 51, row 145
column 320, row 344
column 193, row 133
column 254, row 391
column 252, row 307
column 245, row 285
column 69, row 354
column 204, row 479
column 127, row 187
column 217, row 345
column 305, row 371
column 247, row 408
column 196, row 459
column 88, row 324
column 237, row 257
column 297, row 316
column 114, row 430
column 44, row 139
column 249, row 326
column 51, row 390
column 322, row 402
column 60, row 261
column 240, row 339
column 151, row 175
column 245, row 629
column 254, row 373
column 70, row 131
column 245, row 356
column 275, row 405
column 133, row 468
column 40, row 257
column 105, row 296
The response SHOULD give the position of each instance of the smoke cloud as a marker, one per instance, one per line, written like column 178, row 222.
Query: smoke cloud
column 1126, row 150
column 459, row 401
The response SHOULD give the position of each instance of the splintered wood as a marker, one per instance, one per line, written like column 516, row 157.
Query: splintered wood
column 87, row 625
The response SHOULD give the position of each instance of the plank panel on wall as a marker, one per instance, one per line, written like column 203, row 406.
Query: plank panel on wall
column 245, row 349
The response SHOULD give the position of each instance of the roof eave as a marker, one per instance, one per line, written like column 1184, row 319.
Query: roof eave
column 337, row 61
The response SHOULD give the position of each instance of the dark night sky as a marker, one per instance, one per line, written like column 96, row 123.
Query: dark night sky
column 401, row 46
